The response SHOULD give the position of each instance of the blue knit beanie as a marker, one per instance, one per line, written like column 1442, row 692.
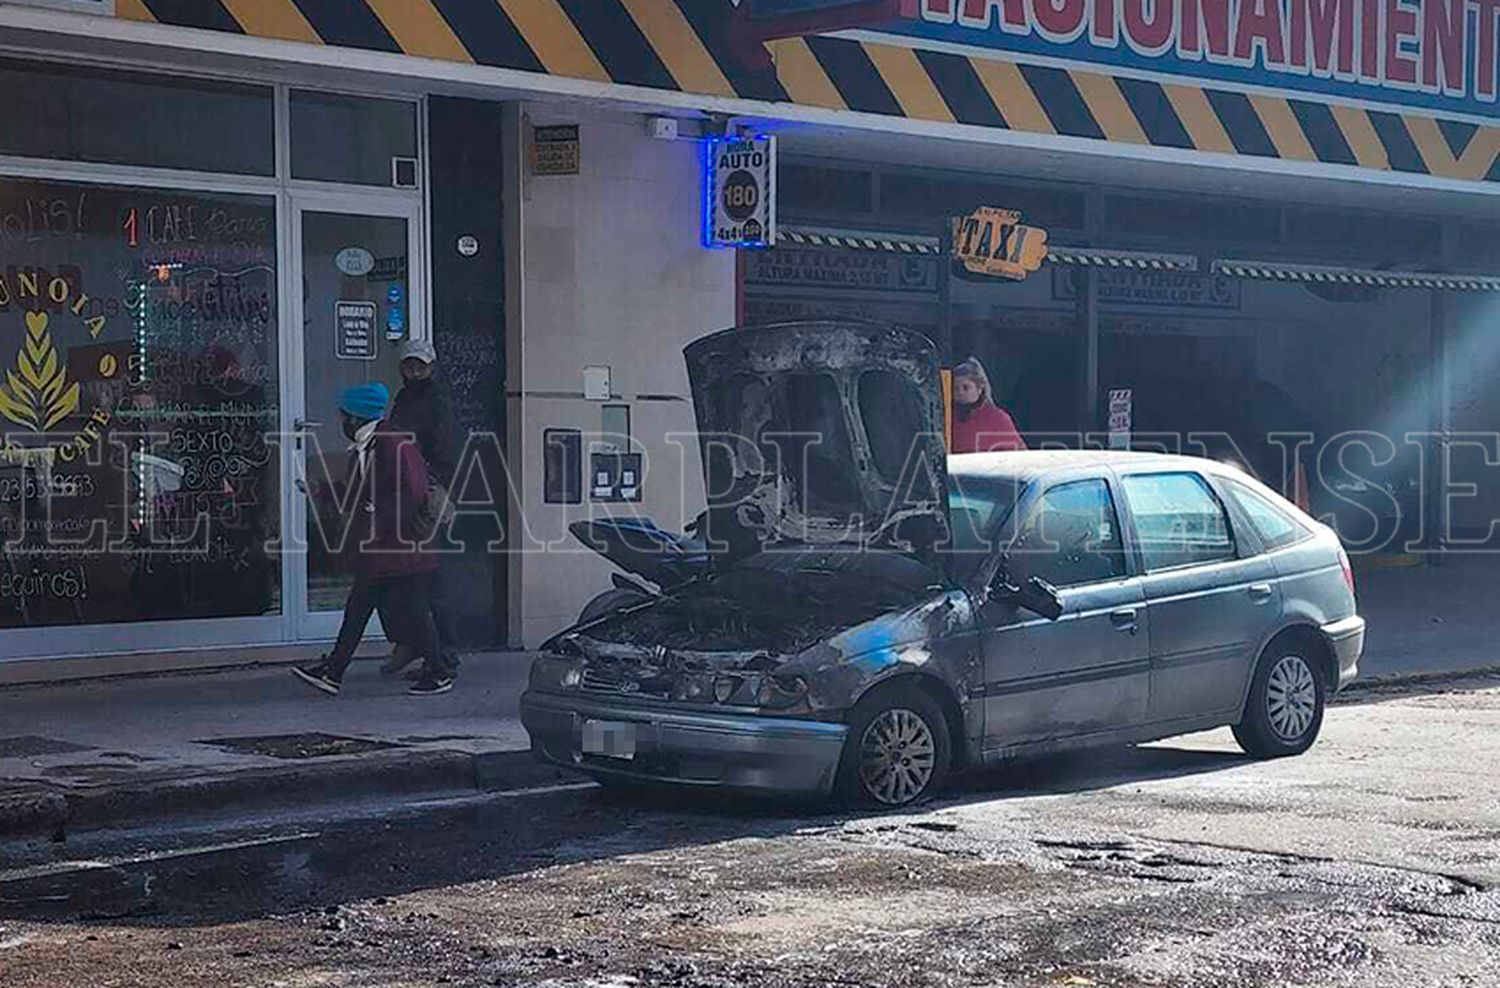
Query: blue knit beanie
column 366, row 401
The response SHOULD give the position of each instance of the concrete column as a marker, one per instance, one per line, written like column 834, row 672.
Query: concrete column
column 1087, row 309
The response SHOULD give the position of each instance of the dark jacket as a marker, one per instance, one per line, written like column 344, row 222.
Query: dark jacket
column 393, row 489
column 425, row 409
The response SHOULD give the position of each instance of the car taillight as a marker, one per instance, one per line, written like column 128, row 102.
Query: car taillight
column 1348, row 570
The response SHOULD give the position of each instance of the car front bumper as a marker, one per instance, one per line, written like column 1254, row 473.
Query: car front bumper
column 1347, row 639
column 738, row 751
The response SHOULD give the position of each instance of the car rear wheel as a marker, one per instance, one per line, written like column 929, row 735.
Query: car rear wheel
column 1284, row 711
column 898, row 750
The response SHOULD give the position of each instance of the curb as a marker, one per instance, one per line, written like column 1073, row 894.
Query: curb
column 50, row 812
column 1401, row 680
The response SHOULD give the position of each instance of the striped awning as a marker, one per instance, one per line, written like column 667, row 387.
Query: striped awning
column 892, row 243
column 1139, row 260
column 1276, row 271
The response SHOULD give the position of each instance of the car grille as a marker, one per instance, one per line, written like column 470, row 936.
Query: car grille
column 606, row 681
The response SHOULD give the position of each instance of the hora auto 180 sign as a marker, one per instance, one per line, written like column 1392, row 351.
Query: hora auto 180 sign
column 739, row 207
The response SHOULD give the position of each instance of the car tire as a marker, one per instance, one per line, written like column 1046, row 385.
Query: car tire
column 609, row 600
column 1284, row 711
column 895, row 722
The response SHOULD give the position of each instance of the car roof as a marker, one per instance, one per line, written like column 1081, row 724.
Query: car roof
column 1029, row 465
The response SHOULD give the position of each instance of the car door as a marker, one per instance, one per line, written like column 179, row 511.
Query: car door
column 1211, row 601
column 1088, row 671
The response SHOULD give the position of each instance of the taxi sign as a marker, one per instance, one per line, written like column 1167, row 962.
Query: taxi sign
column 991, row 241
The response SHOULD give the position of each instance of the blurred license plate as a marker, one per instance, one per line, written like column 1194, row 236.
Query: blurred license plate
column 610, row 738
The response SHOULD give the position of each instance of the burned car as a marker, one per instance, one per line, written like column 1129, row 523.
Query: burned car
column 873, row 614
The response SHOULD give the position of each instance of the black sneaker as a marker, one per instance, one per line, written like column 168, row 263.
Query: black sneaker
column 319, row 678
column 428, row 686
column 399, row 659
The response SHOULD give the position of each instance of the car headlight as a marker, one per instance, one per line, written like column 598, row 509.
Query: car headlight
column 555, row 672
column 779, row 692
column 769, row 692
column 725, row 687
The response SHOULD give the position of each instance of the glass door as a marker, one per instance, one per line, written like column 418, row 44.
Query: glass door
column 361, row 298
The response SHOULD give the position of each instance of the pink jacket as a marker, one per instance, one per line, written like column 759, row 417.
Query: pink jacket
column 987, row 428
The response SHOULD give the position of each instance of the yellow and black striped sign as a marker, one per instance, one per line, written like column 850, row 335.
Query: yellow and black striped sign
column 685, row 45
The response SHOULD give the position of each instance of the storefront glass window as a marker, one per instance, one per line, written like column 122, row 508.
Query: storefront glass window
column 121, row 118
column 349, row 138
column 138, row 397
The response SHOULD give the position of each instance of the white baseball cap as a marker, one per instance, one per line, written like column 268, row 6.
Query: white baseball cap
column 417, row 350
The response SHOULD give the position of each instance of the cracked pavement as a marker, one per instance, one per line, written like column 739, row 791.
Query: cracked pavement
column 1370, row 861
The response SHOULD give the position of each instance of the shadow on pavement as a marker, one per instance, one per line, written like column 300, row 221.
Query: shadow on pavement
column 277, row 870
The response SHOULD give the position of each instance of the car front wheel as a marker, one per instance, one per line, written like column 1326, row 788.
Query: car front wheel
column 1284, row 711
column 898, row 750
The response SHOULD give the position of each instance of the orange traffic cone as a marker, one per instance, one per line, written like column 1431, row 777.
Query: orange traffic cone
column 1300, row 495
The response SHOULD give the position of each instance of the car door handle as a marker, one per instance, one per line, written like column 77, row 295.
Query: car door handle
column 1125, row 619
column 1260, row 591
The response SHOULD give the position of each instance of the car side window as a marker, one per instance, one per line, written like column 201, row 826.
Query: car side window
column 1275, row 527
column 1070, row 537
column 1178, row 520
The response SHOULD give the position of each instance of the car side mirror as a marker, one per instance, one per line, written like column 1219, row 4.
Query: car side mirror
column 1035, row 595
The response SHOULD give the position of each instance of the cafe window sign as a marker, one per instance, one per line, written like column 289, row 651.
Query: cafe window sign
column 138, row 383
column 105, row 7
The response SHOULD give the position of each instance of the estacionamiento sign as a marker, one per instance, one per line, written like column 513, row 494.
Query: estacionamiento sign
column 1437, row 54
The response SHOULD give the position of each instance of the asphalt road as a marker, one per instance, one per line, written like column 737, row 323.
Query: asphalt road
column 1374, row 860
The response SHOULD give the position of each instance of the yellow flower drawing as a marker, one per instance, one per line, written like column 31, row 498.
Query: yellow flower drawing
column 36, row 394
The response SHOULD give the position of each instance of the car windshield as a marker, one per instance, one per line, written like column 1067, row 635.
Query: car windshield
column 977, row 509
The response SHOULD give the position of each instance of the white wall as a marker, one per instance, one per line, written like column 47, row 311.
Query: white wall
column 613, row 274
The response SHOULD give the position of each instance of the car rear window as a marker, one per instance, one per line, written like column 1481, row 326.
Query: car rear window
column 1178, row 520
column 1275, row 526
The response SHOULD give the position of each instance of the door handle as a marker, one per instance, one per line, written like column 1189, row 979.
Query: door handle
column 1125, row 619
column 1260, row 591
column 302, row 425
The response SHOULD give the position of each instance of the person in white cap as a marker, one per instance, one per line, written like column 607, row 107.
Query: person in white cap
column 424, row 409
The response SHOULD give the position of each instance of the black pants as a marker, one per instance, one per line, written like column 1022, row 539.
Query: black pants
column 405, row 606
column 444, row 613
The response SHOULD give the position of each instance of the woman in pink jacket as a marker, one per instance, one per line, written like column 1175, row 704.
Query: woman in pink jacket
column 979, row 425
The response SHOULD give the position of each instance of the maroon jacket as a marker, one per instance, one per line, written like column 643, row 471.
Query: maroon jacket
column 383, row 534
column 987, row 428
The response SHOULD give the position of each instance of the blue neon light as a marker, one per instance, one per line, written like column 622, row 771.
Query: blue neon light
column 711, row 146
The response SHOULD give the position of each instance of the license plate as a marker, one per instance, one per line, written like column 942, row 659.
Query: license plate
column 610, row 738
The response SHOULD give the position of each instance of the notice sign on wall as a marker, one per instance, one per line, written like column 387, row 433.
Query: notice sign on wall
column 1121, row 413
column 354, row 330
column 739, row 204
column 556, row 150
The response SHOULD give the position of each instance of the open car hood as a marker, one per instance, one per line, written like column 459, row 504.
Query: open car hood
column 636, row 545
column 820, row 433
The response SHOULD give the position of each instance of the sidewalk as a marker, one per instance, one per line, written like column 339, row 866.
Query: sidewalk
column 1428, row 619
column 87, row 754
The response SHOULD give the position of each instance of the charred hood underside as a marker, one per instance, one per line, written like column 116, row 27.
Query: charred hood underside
column 817, row 433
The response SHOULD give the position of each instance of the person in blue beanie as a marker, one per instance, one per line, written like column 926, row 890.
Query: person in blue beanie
column 389, row 483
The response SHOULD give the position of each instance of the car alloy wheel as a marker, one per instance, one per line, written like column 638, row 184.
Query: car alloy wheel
column 1291, row 697
column 897, row 756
